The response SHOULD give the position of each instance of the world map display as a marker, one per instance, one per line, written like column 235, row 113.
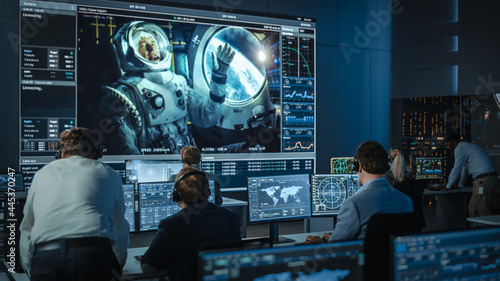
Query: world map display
column 285, row 194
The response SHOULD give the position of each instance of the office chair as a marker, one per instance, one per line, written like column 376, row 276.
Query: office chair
column 379, row 229
column 415, row 190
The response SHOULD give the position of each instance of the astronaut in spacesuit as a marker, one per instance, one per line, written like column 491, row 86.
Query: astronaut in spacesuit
column 150, row 106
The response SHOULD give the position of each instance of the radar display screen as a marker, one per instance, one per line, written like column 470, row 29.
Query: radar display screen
column 330, row 191
column 341, row 165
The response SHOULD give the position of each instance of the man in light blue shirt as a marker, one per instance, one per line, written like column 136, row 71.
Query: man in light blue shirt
column 374, row 196
column 472, row 159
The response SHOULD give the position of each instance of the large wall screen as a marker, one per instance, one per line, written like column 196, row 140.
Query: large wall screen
column 149, row 79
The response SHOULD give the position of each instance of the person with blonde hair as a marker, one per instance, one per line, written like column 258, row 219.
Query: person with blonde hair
column 397, row 173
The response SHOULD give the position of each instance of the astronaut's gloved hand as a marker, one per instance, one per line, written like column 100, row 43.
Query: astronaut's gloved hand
column 221, row 62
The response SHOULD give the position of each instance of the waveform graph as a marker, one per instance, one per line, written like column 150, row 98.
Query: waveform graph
column 298, row 140
column 298, row 94
column 298, row 146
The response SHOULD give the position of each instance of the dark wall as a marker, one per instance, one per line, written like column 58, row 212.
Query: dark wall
column 353, row 71
column 479, row 47
column 443, row 48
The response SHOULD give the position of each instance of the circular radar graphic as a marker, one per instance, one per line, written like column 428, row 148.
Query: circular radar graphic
column 352, row 190
column 332, row 193
column 340, row 166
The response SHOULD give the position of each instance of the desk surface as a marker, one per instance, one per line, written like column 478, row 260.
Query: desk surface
column 489, row 220
column 230, row 202
column 132, row 269
column 451, row 191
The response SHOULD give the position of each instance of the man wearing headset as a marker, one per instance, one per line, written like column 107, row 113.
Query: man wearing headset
column 191, row 157
column 198, row 222
column 74, row 226
column 374, row 196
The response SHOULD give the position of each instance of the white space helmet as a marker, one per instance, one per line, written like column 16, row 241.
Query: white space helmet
column 143, row 47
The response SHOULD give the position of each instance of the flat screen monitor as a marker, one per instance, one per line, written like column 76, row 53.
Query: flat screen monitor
column 129, row 193
column 329, row 191
column 279, row 197
column 428, row 168
column 155, row 203
column 341, row 165
column 11, row 182
column 84, row 63
column 472, row 254
column 151, row 170
column 329, row 261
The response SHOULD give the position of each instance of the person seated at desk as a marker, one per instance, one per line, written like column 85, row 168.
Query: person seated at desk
column 198, row 222
column 397, row 173
column 472, row 159
column 191, row 157
column 374, row 196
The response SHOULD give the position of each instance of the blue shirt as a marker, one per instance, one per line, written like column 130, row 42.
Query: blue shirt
column 469, row 159
column 375, row 196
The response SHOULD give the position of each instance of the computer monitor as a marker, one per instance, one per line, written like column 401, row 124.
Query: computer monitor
column 11, row 182
column 329, row 261
column 129, row 193
column 428, row 168
column 341, row 165
column 279, row 197
column 329, row 191
column 155, row 203
column 472, row 254
column 151, row 170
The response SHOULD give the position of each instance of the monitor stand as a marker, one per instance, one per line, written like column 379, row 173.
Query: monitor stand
column 274, row 234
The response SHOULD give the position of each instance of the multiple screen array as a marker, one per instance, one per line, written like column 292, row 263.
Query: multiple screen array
column 81, row 64
column 459, row 255
column 270, row 198
column 330, row 261
column 472, row 254
column 285, row 197
column 153, row 201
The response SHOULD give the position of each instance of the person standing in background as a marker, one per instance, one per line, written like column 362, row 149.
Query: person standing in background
column 472, row 159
